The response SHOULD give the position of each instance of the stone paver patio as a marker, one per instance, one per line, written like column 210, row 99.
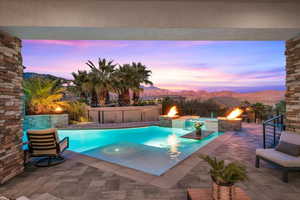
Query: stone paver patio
column 81, row 178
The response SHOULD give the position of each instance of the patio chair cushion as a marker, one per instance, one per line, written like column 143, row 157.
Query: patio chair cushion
column 290, row 137
column 279, row 158
column 288, row 148
column 50, row 142
column 43, row 131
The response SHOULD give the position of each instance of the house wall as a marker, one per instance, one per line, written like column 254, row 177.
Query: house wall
column 293, row 84
column 151, row 19
column 11, row 71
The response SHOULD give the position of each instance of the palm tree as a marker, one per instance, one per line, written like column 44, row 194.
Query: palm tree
column 123, row 82
column 82, row 84
column 101, row 79
column 141, row 76
column 259, row 110
column 42, row 96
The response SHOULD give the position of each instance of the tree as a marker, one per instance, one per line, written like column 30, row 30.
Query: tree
column 123, row 82
column 100, row 78
column 258, row 109
column 82, row 84
column 42, row 96
column 141, row 76
column 280, row 108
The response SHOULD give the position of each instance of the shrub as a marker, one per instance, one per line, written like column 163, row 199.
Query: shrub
column 194, row 107
column 43, row 96
column 77, row 112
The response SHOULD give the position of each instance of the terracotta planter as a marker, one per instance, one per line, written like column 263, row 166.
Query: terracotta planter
column 220, row 192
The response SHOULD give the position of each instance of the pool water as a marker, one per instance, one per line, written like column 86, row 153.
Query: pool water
column 152, row 149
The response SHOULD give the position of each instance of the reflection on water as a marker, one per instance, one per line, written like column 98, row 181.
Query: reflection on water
column 173, row 144
column 118, row 150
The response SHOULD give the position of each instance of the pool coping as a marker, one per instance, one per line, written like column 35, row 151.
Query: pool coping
column 166, row 180
column 93, row 125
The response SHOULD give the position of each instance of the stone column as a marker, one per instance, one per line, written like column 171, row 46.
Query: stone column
column 11, row 73
column 293, row 84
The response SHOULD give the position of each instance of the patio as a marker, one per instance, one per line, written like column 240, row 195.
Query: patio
column 83, row 178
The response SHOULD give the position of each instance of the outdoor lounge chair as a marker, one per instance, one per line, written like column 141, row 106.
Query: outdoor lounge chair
column 286, row 162
column 45, row 144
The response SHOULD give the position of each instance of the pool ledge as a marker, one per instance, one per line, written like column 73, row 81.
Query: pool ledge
column 166, row 180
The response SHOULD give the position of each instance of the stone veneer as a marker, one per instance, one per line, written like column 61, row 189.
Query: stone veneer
column 11, row 71
column 293, row 84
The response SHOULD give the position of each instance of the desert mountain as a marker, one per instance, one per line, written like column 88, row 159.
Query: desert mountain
column 228, row 98
column 269, row 97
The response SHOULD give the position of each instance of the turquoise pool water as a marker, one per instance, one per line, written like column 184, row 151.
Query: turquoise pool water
column 150, row 149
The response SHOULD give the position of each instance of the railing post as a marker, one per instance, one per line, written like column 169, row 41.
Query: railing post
column 264, row 135
column 99, row 117
column 274, row 133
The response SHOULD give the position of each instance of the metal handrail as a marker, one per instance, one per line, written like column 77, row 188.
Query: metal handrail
column 274, row 123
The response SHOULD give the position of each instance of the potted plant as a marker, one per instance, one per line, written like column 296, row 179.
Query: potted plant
column 224, row 177
column 198, row 126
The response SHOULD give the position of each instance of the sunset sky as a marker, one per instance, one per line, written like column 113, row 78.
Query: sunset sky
column 176, row 65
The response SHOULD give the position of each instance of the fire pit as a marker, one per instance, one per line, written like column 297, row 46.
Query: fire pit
column 232, row 122
column 166, row 120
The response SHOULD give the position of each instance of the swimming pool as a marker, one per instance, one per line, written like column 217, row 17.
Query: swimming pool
column 151, row 149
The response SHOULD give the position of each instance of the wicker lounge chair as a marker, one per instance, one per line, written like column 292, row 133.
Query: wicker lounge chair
column 45, row 144
column 286, row 162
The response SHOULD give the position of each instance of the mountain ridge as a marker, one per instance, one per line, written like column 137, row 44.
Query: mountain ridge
column 269, row 97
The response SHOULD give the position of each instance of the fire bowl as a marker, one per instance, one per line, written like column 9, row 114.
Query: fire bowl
column 226, row 124
column 166, row 121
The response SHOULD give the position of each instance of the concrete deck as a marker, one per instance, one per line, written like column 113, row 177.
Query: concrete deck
column 84, row 178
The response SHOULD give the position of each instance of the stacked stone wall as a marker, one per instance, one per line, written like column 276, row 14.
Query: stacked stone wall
column 293, row 84
column 11, row 72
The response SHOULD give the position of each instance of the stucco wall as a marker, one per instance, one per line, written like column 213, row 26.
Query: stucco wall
column 151, row 19
column 11, row 71
column 293, row 84
column 124, row 114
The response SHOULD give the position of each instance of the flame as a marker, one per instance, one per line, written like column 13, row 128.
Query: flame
column 235, row 113
column 58, row 109
column 173, row 111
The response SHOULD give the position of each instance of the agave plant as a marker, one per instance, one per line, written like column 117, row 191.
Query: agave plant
column 42, row 96
column 225, row 175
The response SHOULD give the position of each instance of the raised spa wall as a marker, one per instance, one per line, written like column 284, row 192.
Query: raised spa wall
column 213, row 124
column 210, row 124
column 124, row 114
column 46, row 121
